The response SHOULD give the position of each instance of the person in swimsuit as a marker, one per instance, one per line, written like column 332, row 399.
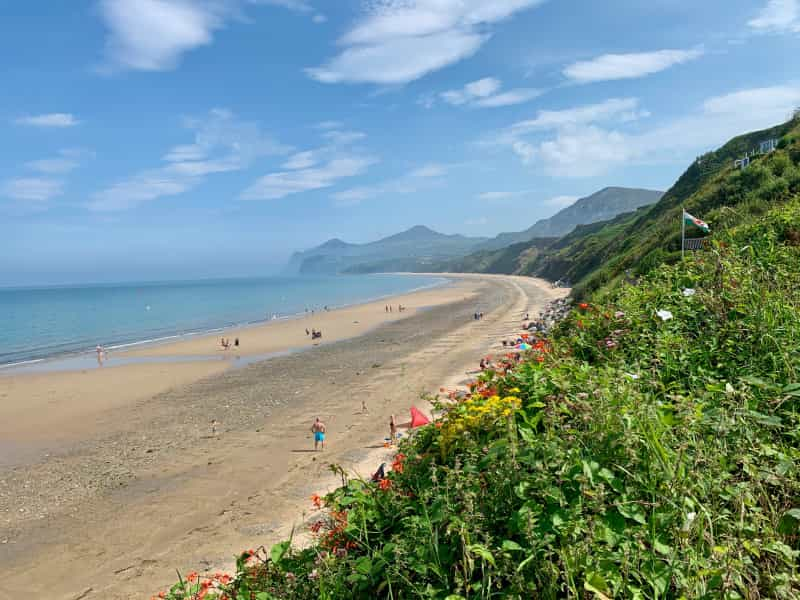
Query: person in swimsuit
column 392, row 430
column 318, row 429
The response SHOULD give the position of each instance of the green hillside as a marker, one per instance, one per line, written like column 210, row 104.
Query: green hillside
column 648, row 448
column 594, row 256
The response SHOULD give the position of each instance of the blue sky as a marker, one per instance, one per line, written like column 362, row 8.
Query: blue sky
column 158, row 139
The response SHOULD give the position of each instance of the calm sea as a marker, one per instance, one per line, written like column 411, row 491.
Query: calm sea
column 44, row 322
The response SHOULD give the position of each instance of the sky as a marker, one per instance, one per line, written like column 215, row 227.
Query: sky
column 178, row 139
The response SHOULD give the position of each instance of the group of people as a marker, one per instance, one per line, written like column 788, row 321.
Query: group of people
column 388, row 308
column 319, row 429
column 314, row 333
column 478, row 316
column 226, row 343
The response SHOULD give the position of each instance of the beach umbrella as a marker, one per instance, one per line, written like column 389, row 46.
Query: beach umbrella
column 524, row 346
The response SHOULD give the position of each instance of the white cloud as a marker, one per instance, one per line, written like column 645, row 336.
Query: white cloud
column 279, row 185
column 610, row 67
column 778, row 16
column 431, row 170
column 301, row 160
column 499, row 196
column 509, row 98
column 222, row 143
column 398, row 41
column 49, row 120
column 410, row 183
column 343, row 138
column 329, row 125
column 34, row 189
column 319, row 18
column 591, row 140
column 152, row 35
column 484, row 93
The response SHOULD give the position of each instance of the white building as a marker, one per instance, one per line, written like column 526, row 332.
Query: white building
column 767, row 146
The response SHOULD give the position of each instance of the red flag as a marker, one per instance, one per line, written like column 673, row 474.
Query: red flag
column 417, row 418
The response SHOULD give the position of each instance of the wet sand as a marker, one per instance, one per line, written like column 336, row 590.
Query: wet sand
column 115, row 514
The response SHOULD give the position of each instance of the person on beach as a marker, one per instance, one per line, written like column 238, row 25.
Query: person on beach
column 307, row 331
column 236, row 343
column 392, row 430
column 318, row 429
column 100, row 353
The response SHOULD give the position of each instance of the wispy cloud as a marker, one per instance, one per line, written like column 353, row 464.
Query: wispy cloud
column 279, row 185
column 778, row 16
column 610, row 67
column 502, row 195
column 48, row 120
column 33, row 189
column 591, row 140
column 410, row 183
column 153, row 35
column 485, row 93
column 397, row 41
column 222, row 143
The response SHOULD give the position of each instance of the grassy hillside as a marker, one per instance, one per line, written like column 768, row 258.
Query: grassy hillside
column 596, row 256
column 649, row 448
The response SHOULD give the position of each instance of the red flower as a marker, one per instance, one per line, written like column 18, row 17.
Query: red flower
column 583, row 306
column 385, row 484
column 397, row 465
column 191, row 577
column 316, row 500
column 317, row 526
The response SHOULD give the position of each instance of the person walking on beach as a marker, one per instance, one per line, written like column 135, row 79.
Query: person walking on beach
column 318, row 429
column 100, row 353
column 392, row 430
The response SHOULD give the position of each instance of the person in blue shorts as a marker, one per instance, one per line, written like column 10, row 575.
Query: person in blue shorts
column 318, row 429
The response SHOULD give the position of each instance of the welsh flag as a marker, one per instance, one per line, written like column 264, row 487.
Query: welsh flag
column 699, row 223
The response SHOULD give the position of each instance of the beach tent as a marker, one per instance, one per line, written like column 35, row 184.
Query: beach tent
column 417, row 418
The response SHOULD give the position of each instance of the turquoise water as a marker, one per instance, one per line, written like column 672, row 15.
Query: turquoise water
column 45, row 322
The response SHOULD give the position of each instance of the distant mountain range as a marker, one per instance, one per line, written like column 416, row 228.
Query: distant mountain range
column 421, row 248
column 600, row 206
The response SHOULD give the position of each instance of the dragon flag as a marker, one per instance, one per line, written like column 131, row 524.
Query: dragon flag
column 699, row 223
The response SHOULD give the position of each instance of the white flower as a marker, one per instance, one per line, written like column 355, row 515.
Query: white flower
column 664, row 315
column 688, row 292
column 632, row 375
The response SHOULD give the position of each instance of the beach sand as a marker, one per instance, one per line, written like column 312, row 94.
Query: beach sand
column 115, row 514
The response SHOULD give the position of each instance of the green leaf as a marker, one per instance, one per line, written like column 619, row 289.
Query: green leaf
column 633, row 511
column 595, row 583
column 364, row 565
column 279, row 551
column 511, row 546
column 483, row 552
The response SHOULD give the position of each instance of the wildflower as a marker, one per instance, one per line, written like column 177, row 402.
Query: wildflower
column 191, row 577
column 688, row 292
column 317, row 526
column 632, row 375
column 583, row 306
column 313, row 575
column 316, row 500
column 385, row 484
column 619, row 314
column 291, row 577
column 340, row 553
column 664, row 315
column 611, row 344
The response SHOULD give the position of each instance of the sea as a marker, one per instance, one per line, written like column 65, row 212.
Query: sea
column 41, row 323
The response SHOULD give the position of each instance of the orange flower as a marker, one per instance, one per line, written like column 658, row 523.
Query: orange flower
column 385, row 484
column 438, row 424
column 583, row 306
column 316, row 500
column 191, row 577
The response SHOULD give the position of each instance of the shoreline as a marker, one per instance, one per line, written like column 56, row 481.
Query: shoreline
column 124, row 510
column 14, row 368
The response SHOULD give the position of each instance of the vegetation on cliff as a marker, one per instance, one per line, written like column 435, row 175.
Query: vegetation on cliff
column 648, row 448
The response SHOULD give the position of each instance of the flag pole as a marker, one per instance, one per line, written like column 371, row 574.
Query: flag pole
column 683, row 231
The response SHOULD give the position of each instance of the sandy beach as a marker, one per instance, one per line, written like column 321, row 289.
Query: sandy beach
column 116, row 471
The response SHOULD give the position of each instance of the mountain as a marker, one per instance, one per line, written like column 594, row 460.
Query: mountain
column 600, row 206
column 410, row 250
column 594, row 257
